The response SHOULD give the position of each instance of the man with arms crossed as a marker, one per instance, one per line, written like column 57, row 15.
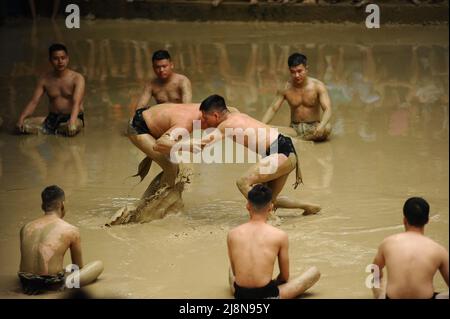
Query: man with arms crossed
column 278, row 153
column 43, row 244
column 307, row 97
column 411, row 258
column 65, row 90
column 167, row 86
column 253, row 248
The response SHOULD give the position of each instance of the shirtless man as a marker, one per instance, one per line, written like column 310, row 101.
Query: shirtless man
column 278, row 151
column 307, row 97
column 65, row 90
column 411, row 258
column 167, row 86
column 43, row 244
column 253, row 248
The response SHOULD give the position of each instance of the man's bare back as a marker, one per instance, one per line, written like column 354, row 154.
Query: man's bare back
column 162, row 117
column 240, row 121
column 44, row 242
column 254, row 248
column 412, row 260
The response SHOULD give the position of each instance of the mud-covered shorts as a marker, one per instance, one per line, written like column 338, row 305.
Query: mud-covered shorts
column 305, row 130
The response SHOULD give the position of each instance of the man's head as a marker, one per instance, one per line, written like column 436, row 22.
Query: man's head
column 162, row 64
column 213, row 108
column 298, row 67
column 58, row 56
column 416, row 211
column 260, row 200
column 53, row 200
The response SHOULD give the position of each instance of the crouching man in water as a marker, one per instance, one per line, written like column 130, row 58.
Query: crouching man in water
column 277, row 150
column 411, row 258
column 65, row 91
column 253, row 249
column 43, row 244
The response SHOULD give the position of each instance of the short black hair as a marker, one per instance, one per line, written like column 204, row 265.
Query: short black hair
column 259, row 196
column 51, row 196
column 297, row 59
column 416, row 211
column 213, row 103
column 160, row 55
column 56, row 47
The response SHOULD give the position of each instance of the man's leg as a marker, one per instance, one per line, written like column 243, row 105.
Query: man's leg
column 145, row 143
column 260, row 173
column 295, row 287
column 277, row 185
column 33, row 125
column 88, row 274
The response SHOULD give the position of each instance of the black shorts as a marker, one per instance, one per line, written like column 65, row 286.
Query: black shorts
column 269, row 291
column 53, row 120
column 33, row 284
column 137, row 124
column 434, row 296
column 283, row 145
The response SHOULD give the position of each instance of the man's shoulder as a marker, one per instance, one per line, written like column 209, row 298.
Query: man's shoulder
column 68, row 228
column 317, row 83
column 181, row 77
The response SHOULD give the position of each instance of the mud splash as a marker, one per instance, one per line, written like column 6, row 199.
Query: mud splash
column 162, row 201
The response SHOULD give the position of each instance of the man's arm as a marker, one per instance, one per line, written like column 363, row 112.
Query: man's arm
column 145, row 96
column 186, row 90
column 75, row 249
column 78, row 96
column 325, row 104
column 443, row 269
column 273, row 109
column 380, row 291
column 31, row 106
column 283, row 260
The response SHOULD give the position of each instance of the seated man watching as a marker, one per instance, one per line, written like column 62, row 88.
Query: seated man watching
column 253, row 248
column 411, row 258
column 43, row 244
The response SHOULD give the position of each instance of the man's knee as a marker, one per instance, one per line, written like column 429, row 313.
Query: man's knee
column 242, row 183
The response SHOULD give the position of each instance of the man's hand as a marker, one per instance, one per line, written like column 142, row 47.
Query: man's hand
column 72, row 127
column 319, row 132
column 19, row 125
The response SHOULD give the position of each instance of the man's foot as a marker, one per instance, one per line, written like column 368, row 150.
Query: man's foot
column 311, row 209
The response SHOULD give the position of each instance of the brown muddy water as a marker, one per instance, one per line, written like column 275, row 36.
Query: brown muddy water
column 389, row 91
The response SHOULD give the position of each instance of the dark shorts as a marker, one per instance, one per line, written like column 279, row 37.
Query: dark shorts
column 33, row 284
column 283, row 145
column 137, row 124
column 434, row 295
column 270, row 291
column 53, row 120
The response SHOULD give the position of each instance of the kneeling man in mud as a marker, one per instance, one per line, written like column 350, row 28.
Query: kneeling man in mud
column 307, row 97
column 411, row 258
column 279, row 155
column 253, row 249
column 65, row 91
column 43, row 244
